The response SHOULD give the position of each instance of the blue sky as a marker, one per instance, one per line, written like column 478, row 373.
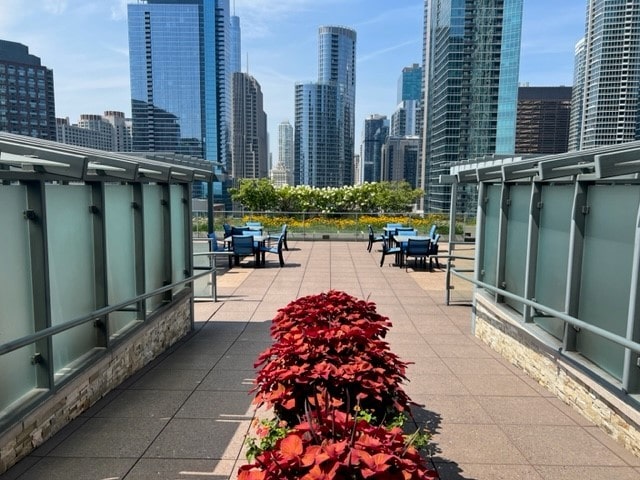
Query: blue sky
column 85, row 43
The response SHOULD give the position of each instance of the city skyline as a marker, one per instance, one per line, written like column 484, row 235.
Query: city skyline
column 86, row 45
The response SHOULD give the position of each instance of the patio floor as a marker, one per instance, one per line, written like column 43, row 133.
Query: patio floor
column 185, row 416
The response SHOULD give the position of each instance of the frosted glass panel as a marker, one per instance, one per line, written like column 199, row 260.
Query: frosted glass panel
column 17, row 375
column 490, row 235
column 71, row 270
column 153, row 243
column 516, row 250
column 553, row 253
column 178, row 235
column 121, row 273
column 606, row 271
column 202, row 287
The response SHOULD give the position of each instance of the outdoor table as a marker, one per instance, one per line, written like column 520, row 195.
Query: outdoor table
column 401, row 240
column 259, row 239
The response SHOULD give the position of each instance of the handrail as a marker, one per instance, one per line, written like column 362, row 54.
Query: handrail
column 631, row 345
column 101, row 312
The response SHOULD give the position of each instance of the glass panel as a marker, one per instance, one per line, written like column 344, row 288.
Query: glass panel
column 153, row 243
column 606, row 271
column 121, row 261
column 17, row 375
column 516, row 249
column 202, row 286
column 179, row 236
column 490, row 235
column 553, row 253
column 71, row 271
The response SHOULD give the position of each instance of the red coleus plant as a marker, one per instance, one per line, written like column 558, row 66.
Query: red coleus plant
column 338, row 446
column 332, row 308
column 329, row 350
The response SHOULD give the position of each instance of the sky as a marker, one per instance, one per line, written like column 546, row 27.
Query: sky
column 85, row 43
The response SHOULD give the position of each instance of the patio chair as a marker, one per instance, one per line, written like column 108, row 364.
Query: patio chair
column 433, row 251
column 283, row 233
column 242, row 246
column 387, row 250
column 432, row 231
column 227, row 230
column 373, row 238
column 277, row 249
column 417, row 248
column 217, row 246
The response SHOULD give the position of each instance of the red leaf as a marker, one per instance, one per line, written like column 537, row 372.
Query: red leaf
column 291, row 447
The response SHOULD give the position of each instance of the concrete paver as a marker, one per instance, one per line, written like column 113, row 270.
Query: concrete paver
column 187, row 414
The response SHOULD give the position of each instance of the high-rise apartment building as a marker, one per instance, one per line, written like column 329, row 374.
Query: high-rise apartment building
column 27, row 102
column 180, row 80
column 285, row 146
column 607, row 76
column 376, row 128
column 400, row 159
column 542, row 123
column 325, row 113
column 472, row 52
column 249, row 155
column 110, row 132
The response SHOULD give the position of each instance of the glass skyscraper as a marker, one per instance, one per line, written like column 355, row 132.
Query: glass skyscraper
column 325, row 113
column 180, row 81
column 472, row 56
column 607, row 76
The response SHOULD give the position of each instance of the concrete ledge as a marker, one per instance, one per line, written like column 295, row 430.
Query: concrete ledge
column 562, row 375
column 163, row 329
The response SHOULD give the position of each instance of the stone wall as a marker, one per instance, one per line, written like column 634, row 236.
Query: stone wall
column 606, row 408
column 162, row 330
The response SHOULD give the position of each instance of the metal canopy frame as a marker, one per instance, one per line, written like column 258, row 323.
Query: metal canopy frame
column 27, row 158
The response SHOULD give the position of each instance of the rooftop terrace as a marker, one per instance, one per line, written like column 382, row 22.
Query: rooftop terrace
column 186, row 414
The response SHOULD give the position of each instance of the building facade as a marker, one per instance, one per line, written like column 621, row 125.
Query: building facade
column 400, row 160
column 249, row 153
column 27, row 101
column 285, row 146
column 325, row 113
column 472, row 52
column 376, row 128
column 607, row 81
column 235, row 41
column 180, row 80
column 110, row 132
column 542, row 123
column 404, row 121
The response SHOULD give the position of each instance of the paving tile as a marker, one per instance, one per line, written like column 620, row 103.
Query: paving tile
column 523, row 411
column 145, row 403
column 564, row 472
column 178, row 469
column 228, row 380
column 196, row 438
column 539, row 444
column 477, row 471
column 496, row 385
column 236, row 362
column 460, row 351
column 477, row 366
column 170, row 379
column 110, row 438
column 216, row 404
column 86, row 468
column 472, row 443
column 435, row 384
column 454, row 408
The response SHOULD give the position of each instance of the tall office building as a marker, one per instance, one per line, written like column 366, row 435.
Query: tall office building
column 249, row 156
column 404, row 121
column 607, row 81
column 472, row 52
column 235, row 43
column 180, row 80
column 400, row 159
column 376, row 128
column 285, row 145
column 325, row 113
column 542, row 123
column 27, row 102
